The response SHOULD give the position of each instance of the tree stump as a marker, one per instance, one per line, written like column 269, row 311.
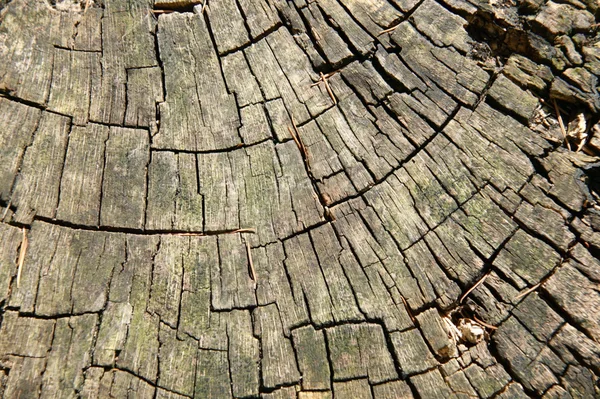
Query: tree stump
column 288, row 199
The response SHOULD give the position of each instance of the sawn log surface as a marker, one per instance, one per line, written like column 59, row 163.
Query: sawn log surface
column 299, row 199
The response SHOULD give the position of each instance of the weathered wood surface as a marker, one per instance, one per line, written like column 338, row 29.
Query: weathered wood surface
column 292, row 199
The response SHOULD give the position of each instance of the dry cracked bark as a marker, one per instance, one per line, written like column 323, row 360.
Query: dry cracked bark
column 291, row 199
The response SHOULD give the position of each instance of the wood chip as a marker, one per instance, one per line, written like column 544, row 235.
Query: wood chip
column 577, row 129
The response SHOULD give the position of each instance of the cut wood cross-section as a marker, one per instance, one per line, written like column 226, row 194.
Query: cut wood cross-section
column 290, row 199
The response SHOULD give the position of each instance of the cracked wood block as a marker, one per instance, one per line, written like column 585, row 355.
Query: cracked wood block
column 278, row 362
column 526, row 260
column 227, row 26
column 357, row 351
column 359, row 389
column 283, row 70
column 36, row 344
column 436, row 333
column 176, row 362
column 313, row 363
column 140, row 350
column 36, row 189
column 240, row 79
column 212, row 375
column 536, row 366
column 412, row 352
column 73, row 75
column 174, row 202
column 27, row 49
column 442, row 26
column 373, row 16
column 144, row 92
column 274, row 286
column 235, row 184
column 69, row 356
column 198, row 113
column 576, row 295
column 244, row 354
column 100, row 383
column 260, row 17
column 127, row 155
column 326, row 38
column 10, row 242
column 59, row 271
column 512, row 98
column 359, row 40
column 393, row 389
column 81, row 180
column 460, row 77
column 255, row 124
column 112, row 333
column 20, row 124
column 127, row 42
column 232, row 283
column 25, row 376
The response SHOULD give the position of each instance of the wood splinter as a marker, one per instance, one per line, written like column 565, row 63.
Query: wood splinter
column 388, row 30
column 22, row 252
column 250, row 262
column 161, row 11
column 5, row 211
column 562, row 125
column 204, row 5
column 296, row 136
column 412, row 318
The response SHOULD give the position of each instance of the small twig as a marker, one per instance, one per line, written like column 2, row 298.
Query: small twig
column 250, row 263
column 161, row 11
column 491, row 327
column 562, row 125
column 328, row 88
column 22, row 252
column 528, row 291
column 477, row 284
column 388, row 30
column 412, row 318
column 87, row 5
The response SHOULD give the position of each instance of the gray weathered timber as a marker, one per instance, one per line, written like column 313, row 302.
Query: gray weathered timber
column 276, row 199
